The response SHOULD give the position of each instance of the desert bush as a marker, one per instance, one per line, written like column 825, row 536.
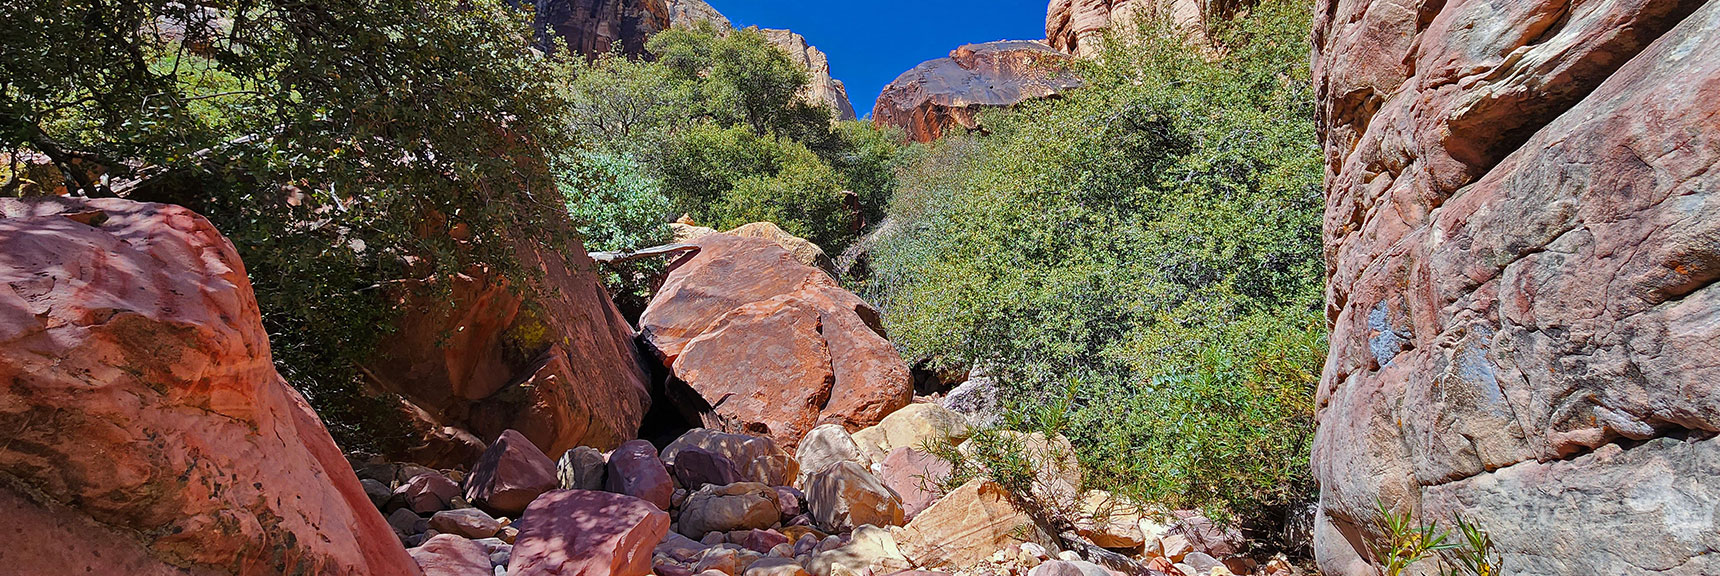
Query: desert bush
column 1137, row 263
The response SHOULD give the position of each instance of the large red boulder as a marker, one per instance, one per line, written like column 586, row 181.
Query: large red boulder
column 940, row 95
column 1521, row 248
column 511, row 473
column 773, row 347
column 474, row 355
column 581, row 533
column 147, row 431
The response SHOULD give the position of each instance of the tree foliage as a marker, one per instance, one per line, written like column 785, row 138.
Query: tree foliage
column 1138, row 263
column 335, row 142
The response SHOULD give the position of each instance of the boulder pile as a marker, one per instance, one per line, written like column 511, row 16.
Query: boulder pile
column 715, row 503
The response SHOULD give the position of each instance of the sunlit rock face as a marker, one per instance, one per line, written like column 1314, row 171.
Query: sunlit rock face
column 1521, row 244
column 941, row 95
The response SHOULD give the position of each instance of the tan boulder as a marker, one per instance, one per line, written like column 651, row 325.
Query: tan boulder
column 914, row 426
column 967, row 526
column 803, row 251
column 825, row 446
column 1110, row 521
column 871, row 550
column 145, row 426
column 739, row 506
column 845, row 496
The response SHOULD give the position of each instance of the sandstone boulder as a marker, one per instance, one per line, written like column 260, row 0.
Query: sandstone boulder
column 914, row 426
column 472, row 355
column 427, row 492
column 914, row 476
column 146, row 428
column 579, row 532
column 634, row 470
column 803, row 251
column 741, row 506
column 824, row 446
column 938, row 96
column 1521, row 268
column 871, row 550
column 466, row 523
column 770, row 346
column 582, row 468
column 967, row 526
column 511, row 473
column 758, row 459
column 696, row 467
column 450, row 555
column 1110, row 521
column 846, row 496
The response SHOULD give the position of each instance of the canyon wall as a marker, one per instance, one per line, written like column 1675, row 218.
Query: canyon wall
column 1522, row 237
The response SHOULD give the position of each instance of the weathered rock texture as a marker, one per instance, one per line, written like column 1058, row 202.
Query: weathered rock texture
column 593, row 27
column 147, row 431
column 688, row 13
column 770, row 346
column 823, row 89
column 555, row 361
column 1078, row 26
column 1522, row 247
column 939, row 95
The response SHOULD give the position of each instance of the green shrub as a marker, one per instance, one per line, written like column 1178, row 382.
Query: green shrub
column 615, row 206
column 1138, row 263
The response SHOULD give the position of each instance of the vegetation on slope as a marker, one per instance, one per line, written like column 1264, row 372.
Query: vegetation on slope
column 1137, row 264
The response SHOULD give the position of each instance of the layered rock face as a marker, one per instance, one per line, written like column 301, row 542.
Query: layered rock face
column 555, row 361
column 824, row 89
column 940, row 95
column 1522, row 248
column 147, row 431
column 593, row 27
column 1078, row 27
column 771, row 346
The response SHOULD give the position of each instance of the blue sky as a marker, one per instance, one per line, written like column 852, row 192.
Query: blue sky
column 872, row 42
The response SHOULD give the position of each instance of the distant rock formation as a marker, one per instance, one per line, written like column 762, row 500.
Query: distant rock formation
column 685, row 13
column 593, row 27
column 1522, row 246
column 940, row 95
column 1077, row 26
column 823, row 89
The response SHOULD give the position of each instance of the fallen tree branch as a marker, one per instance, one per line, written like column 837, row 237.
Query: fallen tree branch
column 624, row 256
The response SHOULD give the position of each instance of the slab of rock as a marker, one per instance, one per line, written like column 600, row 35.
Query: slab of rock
column 450, row 555
column 582, row 468
column 146, row 427
column 696, row 467
column 635, row 470
column 741, row 506
column 871, row 550
column 802, row 250
column 511, row 473
column 915, row 477
column 761, row 541
column 940, row 96
column 1521, row 274
column 427, row 492
column 775, row 567
column 473, row 354
column 976, row 400
column 846, row 496
column 758, row 458
column 967, row 526
column 914, row 426
column 826, row 445
column 1073, row 568
column 466, row 522
column 1110, row 521
column 770, row 346
column 580, row 532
